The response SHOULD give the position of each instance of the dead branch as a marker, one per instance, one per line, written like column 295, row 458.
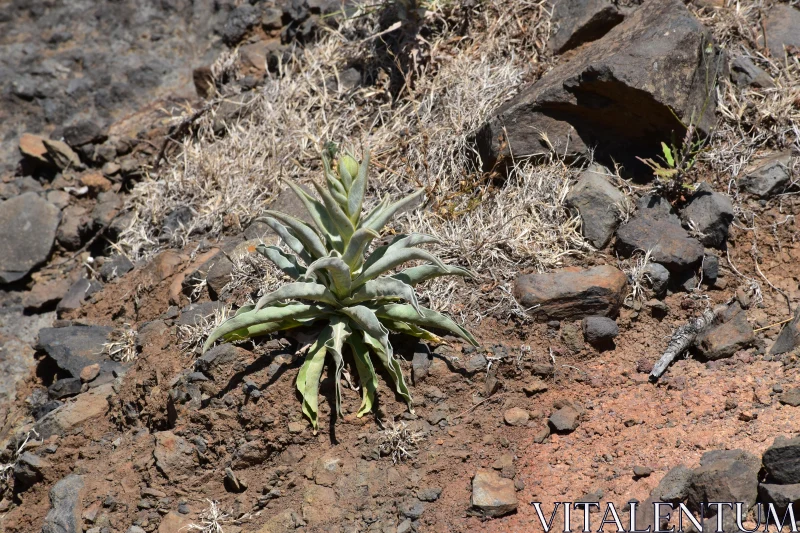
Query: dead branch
column 683, row 338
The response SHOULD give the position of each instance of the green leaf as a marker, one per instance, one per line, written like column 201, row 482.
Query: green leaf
column 383, row 288
column 378, row 220
column 383, row 204
column 264, row 328
column 355, row 197
column 298, row 291
column 366, row 374
column 419, row 274
column 354, row 252
column 339, row 271
column 291, row 241
column 392, row 259
column 365, row 319
column 344, row 227
column 667, row 154
column 270, row 314
column 310, row 374
column 320, row 217
column 431, row 319
column 391, row 365
column 409, row 329
column 286, row 263
column 339, row 334
column 311, row 244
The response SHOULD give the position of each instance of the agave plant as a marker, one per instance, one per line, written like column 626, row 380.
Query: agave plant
column 334, row 280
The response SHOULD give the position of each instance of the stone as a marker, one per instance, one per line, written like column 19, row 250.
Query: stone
column 535, row 386
column 723, row 340
column 429, row 494
column 745, row 73
column 45, row 294
column 60, row 199
column 565, row 420
column 595, row 198
column 115, row 266
column 572, row 294
column 581, row 21
column 476, row 363
column 617, row 96
column 657, row 276
column 75, row 347
column 599, row 330
column 770, row 177
column 790, row 397
column 66, row 509
column 194, row 314
column 516, row 416
column 731, row 476
column 673, row 487
column 240, row 21
column 572, row 338
column 420, row 363
column 173, row 522
column 668, row 243
column 642, row 471
column 32, row 147
column 78, row 293
column 789, row 337
column 781, row 495
column 412, row 509
column 782, row 461
column 296, row 428
column 61, row 154
column 85, row 408
column 27, row 232
column 782, row 24
column 271, row 19
column 710, row 269
column 174, row 456
column 83, row 132
column 65, row 387
column 709, row 213
column 493, row 495
column 90, row 372
column 28, row 471
column 219, row 275
column 73, row 228
column 174, row 221
column 96, row 182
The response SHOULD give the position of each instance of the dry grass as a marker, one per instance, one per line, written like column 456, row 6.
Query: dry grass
column 399, row 442
column 419, row 137
column 7, row 469
column 192, row 336
column 122, row 345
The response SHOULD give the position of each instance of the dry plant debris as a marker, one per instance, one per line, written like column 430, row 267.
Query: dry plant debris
column 399, row 442
column 122, row 345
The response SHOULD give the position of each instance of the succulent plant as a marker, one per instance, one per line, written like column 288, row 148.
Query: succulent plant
column 359, row 296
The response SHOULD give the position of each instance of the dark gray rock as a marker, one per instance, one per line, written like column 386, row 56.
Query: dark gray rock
column 219, row 275
column 115, row 266
column 710, row 213
column 731, row 333
column 710, row 269
column 41, row 410
column 668, row 243
column 789, row 338
column 176, row 219
column 782, row 26
column 420, row 363
column 673, row 487
column 581, row 21
column 74, row 226
column 781, row 495
column 65, row 511
column 79, row 292
column 565, row 420
column 657, row 276
column 64, row 388
column 429, row 494
column 75, row 347
column 27, row 231
column 770, row 177
column 790, row 397
column 731, row 477
column 596, row 200
column 28, row 471
column 572, row 294
column 617, row 95
column 193, row 314
column 240, row 21
column 745, row 73
column 84, row 132
column 476, row 363
column 599, row 330
column 782, row 461
column 412, row 509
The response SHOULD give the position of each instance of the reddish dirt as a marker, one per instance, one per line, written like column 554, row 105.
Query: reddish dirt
column 626, row 422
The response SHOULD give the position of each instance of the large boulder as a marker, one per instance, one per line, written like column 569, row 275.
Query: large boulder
column 623, row 94
column 572, row 294
column 770, row 177
column 725, row 476
column 27, row 230
column 782, row 461
column 66, row 506
column 74, row 347
column 599, row 203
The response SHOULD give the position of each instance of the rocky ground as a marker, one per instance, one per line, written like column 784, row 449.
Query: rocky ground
column 112, row 419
